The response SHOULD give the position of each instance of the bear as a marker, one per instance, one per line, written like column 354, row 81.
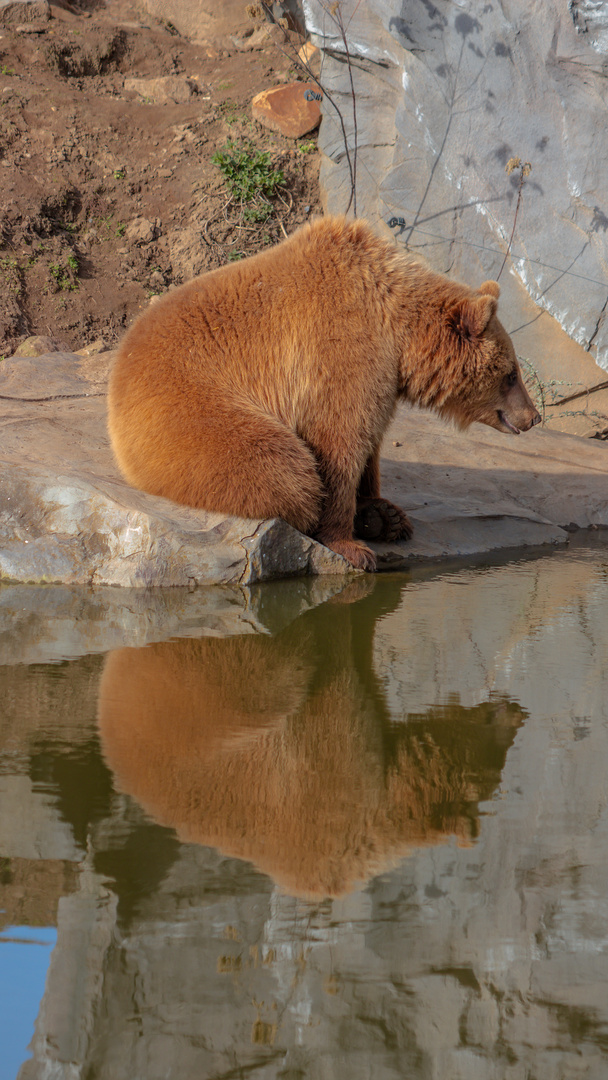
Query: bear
column 264, row 388
column 282, row 749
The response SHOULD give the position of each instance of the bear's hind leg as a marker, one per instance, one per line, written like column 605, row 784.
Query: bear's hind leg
column 267, row 471
column 241, row 462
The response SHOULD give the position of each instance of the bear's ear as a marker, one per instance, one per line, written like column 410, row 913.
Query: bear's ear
column 490, row 288
column 471, row 316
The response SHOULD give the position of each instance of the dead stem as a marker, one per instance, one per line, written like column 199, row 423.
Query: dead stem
column 334, row 13
column 513, row 164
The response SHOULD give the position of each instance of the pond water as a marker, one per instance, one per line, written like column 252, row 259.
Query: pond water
column 309, row 830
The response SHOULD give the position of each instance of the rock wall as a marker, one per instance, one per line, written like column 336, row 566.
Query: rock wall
column 446, row 96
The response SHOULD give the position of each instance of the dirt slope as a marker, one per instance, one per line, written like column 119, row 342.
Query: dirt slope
column 108, row 193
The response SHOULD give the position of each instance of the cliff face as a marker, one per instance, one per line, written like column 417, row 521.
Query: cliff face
column 446, row 97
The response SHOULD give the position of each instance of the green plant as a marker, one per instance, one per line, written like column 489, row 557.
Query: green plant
column 64, row 276
column 120, row 228
column 248, row 172
column 258, row 214
column 119, row 174
column 231, row 113
column 308, row 147
column 12, row 274
column 4, row 70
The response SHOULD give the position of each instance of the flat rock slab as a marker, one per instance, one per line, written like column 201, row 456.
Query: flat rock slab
column 479, row 490
column 165, row 88
column 67, row 516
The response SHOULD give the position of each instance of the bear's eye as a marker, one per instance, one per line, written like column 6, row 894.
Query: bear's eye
column 512, row 377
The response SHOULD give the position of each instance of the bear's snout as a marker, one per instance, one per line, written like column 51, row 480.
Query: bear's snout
column 516, row 411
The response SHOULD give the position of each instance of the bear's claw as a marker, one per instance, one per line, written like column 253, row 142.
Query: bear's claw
column 357, row 554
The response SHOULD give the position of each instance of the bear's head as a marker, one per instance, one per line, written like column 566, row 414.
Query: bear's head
column 470, row 367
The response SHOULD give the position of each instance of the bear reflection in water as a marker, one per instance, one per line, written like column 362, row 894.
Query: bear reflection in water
column 281, row 749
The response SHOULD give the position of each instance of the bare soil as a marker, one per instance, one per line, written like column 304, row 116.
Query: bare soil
column 107, row 196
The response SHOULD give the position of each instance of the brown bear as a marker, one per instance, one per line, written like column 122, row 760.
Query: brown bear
column 263, row 389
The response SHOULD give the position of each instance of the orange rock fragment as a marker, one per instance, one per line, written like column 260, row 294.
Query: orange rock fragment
column 292, row 110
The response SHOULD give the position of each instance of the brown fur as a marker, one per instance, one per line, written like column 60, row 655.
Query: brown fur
column 264, row 389
column 281, row 750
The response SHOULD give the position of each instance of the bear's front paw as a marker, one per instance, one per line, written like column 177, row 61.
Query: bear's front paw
column 379, row 519
column 358, row 555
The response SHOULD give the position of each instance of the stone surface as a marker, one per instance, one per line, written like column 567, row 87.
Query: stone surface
column 309, row 53
column 287, row 110
column 445, row 98
column 252, row 39
column 93, row 349
column 165, row 88
column 141, row 231
column 40, row 346
column 13, row 12
column 201, row 21
column 459, row 486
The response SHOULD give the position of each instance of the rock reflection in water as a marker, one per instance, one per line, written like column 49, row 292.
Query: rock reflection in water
column 280, row 750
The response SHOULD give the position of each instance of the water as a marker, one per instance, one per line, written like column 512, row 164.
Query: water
column 308, row 830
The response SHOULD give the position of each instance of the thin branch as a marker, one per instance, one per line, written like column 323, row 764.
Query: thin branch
column 580, row 393
column 512, row 164
column 353, row 193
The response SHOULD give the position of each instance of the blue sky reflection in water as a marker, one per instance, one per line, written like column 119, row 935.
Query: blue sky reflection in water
column 351, row 827
column 24, row 959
